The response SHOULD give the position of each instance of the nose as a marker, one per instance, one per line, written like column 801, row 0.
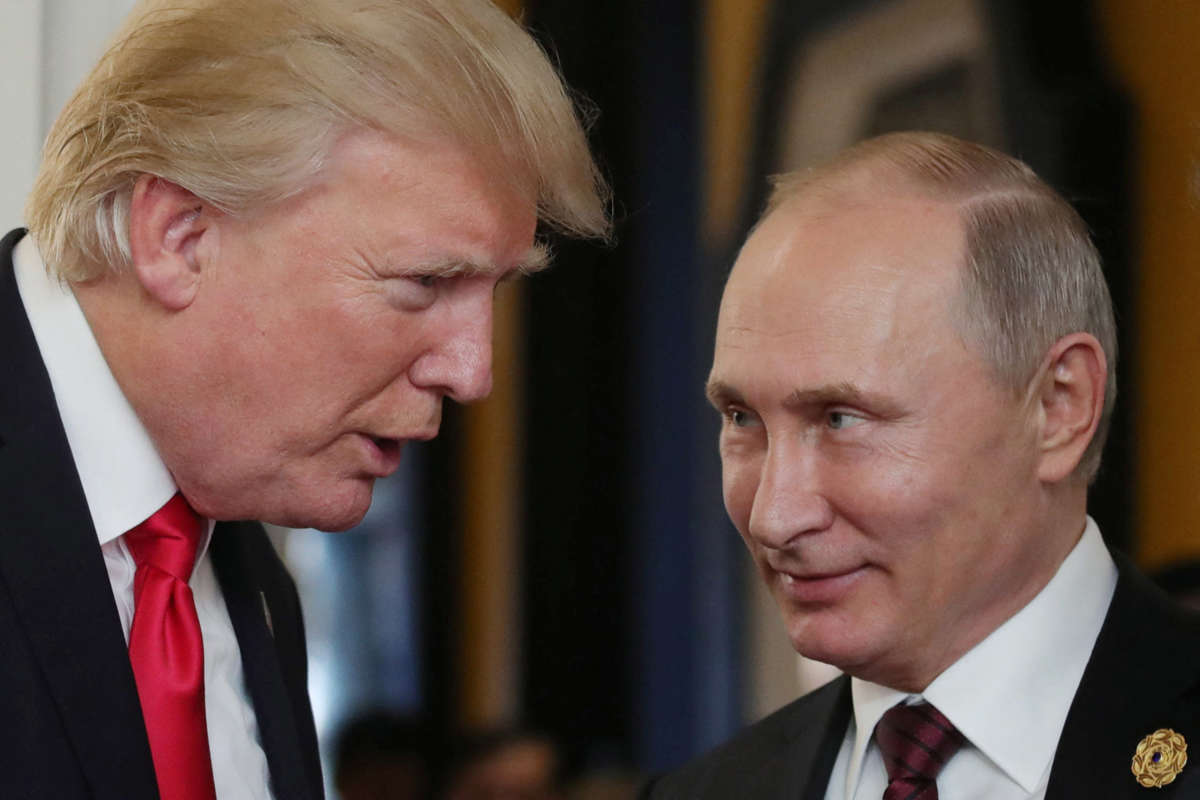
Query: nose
column 458, row 363
column 788, row 501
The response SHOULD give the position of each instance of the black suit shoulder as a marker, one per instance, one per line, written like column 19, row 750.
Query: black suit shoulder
column 779, row 756
column 70, row 721
column 1143, row 676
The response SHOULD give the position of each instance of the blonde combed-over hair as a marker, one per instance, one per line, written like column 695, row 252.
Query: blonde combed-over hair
column 240, row 102
column 1032, row 274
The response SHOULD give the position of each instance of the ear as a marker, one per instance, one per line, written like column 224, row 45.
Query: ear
column 166, row 224
column 1070, row 400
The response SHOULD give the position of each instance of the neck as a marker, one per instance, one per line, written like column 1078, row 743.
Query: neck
column 131, row 333
column 1058, row 529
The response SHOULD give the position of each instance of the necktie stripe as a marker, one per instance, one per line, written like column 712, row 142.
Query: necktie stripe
column 936, row 720
column 915, row 742
column 905, row 734
column 917, row 755
column 908, row 768
column 913, row 761
column 922, row 790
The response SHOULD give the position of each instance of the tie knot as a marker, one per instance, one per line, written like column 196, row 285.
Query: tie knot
column 168, row 539
column 916, row 742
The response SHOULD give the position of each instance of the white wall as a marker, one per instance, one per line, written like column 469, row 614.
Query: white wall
column 46, row 47
column 20, row 99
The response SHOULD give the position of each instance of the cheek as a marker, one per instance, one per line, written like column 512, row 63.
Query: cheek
column 739, row 479
column 894, row 480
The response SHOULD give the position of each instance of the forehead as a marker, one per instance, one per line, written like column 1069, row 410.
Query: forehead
column 862, row 279
column 430, row 196
column 866, row 242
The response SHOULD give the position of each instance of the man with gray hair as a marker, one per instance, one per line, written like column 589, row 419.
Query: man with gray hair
column 914, row 366
column 263, row 247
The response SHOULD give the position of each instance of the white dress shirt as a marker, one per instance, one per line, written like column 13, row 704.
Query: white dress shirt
column 125, row 481
column 1009, row 695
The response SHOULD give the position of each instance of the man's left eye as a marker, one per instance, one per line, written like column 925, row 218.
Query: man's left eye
column 843, row 419
column 426, row 281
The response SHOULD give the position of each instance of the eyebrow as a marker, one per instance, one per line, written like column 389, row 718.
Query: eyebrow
column 828, row 394
column 535, row 259
column 880, row 405
column 720, row 394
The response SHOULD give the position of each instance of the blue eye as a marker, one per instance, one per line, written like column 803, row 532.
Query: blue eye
column 740, row 417
column 842, row 419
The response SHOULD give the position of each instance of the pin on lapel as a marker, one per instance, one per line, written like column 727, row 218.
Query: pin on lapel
column 1159, row 758
column 267, row 613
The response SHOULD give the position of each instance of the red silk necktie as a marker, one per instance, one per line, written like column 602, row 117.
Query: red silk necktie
column 916, row 742
column 167, row 653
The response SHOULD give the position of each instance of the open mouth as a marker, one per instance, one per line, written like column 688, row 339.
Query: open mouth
column 389, row 447
column 383, row 455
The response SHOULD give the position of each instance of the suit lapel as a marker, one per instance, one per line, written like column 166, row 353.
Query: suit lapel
column 799, row 768
column 819, row 756
column 51, row 566
column 1142, row 676
column 250, row 600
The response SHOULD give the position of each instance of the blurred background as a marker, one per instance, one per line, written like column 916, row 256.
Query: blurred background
column 557, row 565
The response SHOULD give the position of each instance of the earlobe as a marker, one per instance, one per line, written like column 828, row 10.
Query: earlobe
column 166, row 223
column 1071, row 397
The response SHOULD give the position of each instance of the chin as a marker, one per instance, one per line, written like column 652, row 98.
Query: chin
column 841, row 643
column 329, row 516
column 337, row 524
column 336, row 508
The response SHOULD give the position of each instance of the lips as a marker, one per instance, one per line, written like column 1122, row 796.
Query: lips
column 817, row 588
column 387, row 446
column 383, row 455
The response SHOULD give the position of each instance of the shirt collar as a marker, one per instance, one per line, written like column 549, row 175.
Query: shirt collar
column 1010, row 694
column 124, row 479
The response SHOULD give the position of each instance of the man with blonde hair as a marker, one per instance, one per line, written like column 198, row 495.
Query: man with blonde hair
column 262, row 250
column 914, row 365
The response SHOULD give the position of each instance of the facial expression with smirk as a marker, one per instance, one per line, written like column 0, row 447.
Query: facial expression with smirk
column 880, row 475
column 326, row 331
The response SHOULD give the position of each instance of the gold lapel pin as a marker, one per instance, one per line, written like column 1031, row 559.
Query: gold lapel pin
column 1159, row 758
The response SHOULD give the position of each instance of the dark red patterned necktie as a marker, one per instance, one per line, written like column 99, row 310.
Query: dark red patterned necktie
column 167, row 653
column 916, row 742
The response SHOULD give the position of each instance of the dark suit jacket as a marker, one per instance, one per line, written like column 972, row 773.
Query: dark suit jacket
column 1144, row 674
column 70, row 723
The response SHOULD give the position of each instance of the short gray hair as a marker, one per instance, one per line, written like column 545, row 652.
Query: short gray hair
column 1032, row 274
column 240, row 102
